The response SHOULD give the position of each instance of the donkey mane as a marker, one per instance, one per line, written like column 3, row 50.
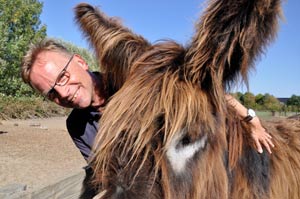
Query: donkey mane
column 254, row 175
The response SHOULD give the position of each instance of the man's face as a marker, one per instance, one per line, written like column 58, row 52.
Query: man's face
column 76, row 91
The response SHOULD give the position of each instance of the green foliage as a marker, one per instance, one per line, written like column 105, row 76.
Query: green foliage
column 29, row 107
column 237, row 95
column 271, row 103
column 261, row 102
column 259, row 99
column 248, row 99
column 19, row 26
column 294, row 100
column 294, row 103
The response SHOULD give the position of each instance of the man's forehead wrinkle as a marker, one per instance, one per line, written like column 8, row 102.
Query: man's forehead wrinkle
column 45, row 62
column 40, row 65
column 43, row 70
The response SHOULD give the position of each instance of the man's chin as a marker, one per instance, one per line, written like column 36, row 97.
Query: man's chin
column 80, row 106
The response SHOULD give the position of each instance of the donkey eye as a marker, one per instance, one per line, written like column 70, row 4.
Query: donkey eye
column 182, row 149
column 186, row 140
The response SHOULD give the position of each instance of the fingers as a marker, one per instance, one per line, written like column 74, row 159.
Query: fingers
column 268, row 135
column 266, row 144
column 270, row 142
column 258, row 145
column 261, row 136
column 266, row 141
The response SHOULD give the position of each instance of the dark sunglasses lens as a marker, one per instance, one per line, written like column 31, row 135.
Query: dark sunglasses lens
column 51, row 94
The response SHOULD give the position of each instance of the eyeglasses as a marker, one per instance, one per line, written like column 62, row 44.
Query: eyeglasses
column 61, row 80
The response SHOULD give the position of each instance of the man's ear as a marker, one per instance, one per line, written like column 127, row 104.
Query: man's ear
column 81, row 61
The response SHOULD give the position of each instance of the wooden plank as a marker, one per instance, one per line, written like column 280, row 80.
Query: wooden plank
column 10, row 190
column 68, row 188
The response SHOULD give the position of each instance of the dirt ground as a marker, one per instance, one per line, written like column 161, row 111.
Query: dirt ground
column 37, row 152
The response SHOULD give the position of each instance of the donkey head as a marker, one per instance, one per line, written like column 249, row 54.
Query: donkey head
column 163, row 133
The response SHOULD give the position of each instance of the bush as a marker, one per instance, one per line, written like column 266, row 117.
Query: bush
column 29, row 107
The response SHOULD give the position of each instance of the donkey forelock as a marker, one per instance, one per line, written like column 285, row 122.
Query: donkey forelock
column 157, row 103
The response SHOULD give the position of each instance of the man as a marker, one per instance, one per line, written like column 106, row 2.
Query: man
column 64, row 78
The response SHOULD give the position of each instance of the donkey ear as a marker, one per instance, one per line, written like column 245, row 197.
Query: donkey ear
column 229, row 37
column 116, row 47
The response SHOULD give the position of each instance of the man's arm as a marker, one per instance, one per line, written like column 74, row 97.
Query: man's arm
column 259, row 133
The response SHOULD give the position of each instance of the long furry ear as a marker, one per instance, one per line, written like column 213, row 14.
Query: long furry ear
column 229, row 37
column 116, row 46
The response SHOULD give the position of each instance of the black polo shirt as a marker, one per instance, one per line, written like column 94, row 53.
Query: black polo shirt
column 82, row 125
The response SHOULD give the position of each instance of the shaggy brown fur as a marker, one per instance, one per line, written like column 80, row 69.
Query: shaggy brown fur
column 170, row 98
column 116, row 47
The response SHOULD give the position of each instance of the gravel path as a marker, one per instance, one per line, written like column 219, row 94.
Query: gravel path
column 36, row 153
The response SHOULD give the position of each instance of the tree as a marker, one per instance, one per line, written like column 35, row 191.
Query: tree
column 19, row 26
column 271, row 103
column 259, row 100
column 237, row 95
column 294, row 102
column 248, row 99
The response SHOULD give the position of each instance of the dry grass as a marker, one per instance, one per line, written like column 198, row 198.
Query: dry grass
column 29, row 107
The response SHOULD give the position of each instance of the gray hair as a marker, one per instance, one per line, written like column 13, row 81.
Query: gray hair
column 34, row 50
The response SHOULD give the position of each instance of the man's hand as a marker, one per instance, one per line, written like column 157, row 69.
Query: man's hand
column 260, row 136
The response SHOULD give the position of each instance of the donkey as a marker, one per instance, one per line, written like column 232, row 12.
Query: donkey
column 167, row 131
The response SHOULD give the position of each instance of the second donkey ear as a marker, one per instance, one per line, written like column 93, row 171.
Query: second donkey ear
column 230, row 36
column 116, row 46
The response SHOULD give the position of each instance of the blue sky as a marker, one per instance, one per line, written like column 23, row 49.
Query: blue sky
column 277, row 72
